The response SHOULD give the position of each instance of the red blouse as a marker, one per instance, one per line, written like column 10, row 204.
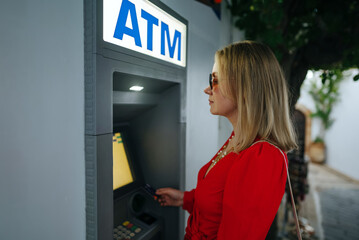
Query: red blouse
column 239, row 197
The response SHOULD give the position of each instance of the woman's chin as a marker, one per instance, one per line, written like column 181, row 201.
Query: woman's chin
column 213, row 112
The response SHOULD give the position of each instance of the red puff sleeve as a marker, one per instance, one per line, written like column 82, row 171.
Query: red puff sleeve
column 253, row 192
column 188, row 200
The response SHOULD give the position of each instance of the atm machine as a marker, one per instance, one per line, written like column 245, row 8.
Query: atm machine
column 147, row 125
column 133, row 138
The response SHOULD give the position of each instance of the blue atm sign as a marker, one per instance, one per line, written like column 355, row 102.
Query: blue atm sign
column 141, row 26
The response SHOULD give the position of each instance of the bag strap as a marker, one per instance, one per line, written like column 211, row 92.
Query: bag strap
column 290, row 188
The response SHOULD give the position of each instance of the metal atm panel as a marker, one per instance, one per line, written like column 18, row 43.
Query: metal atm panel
column 160, row 112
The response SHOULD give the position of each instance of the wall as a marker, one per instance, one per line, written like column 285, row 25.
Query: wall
column 42, row 179
column 342, row 149
column 342, row 138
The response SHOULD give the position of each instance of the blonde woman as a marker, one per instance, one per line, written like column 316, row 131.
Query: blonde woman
column 239, row 191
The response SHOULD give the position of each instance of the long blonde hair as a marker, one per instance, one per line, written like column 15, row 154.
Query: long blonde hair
column 252, row 77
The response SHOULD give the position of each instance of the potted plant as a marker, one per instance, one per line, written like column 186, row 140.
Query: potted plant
column 325, row 94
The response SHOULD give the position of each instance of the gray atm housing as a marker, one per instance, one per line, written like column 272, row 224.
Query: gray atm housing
column 156, row 119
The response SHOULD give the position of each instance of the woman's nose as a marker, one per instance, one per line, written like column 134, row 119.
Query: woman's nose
column 208, row 90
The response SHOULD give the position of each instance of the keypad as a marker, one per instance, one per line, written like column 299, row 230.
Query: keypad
column 126, row 231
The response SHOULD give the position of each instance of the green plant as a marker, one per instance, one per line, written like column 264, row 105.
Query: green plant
column 304, row 34
column 325, row 94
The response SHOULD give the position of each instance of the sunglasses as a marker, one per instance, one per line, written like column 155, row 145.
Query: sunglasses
column 213, row 81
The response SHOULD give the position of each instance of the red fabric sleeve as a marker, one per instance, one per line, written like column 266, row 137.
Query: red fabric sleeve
column 188, row 200
column 254, row 189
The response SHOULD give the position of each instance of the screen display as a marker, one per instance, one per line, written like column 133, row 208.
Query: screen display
column 122, row 174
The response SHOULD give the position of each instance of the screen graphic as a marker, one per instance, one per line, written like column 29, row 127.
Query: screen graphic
column 122, row 174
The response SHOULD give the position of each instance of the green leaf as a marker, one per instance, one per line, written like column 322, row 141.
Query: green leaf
column 318, row 140
column 356, row 77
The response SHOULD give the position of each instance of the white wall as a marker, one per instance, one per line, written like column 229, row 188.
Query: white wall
column 343, row 150
column 341, row 138
column 42, row 179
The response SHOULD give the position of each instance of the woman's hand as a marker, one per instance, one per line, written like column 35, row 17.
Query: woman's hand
column 170, row 197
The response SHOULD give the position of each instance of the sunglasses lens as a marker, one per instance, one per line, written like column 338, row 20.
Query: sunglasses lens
column 210, row 80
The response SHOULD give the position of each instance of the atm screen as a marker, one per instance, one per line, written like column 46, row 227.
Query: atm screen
column 122, row 174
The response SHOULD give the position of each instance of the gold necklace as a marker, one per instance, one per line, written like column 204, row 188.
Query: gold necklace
column 222, row 153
